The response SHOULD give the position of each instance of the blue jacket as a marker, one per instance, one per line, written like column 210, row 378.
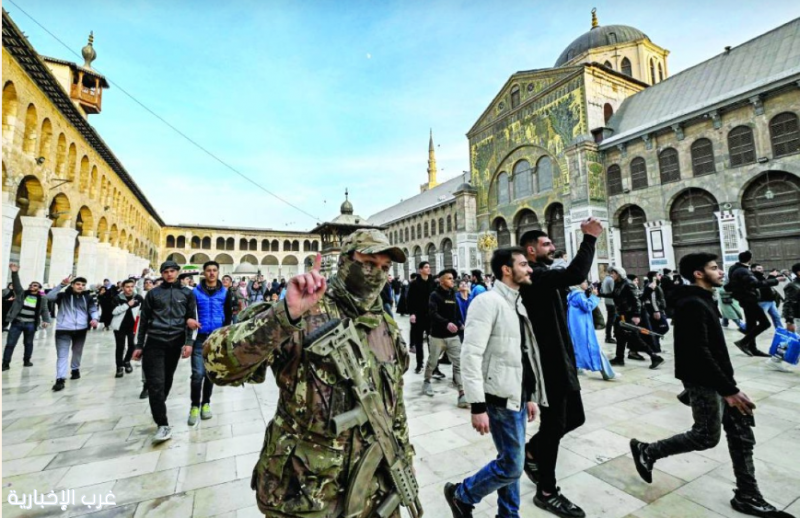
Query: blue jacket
column 214, row 310
column 581, row 330
column 463, row 305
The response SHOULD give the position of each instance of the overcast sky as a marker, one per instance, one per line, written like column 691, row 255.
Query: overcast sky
column 310, row 98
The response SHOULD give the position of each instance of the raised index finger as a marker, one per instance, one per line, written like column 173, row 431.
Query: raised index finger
column 317, row 262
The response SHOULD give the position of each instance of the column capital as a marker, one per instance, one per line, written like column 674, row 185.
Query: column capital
column 64, row 232
column 88, row 239
column 33, row 222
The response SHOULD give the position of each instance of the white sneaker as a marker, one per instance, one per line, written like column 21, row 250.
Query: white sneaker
column 778, row 364
column 162, row 434
column 427, row 389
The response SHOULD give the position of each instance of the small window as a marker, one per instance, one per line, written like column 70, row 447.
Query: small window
column 607, row 64
column 441, row 225
column 626, row 67
column 515, row 96
column 608, row 111
column 611, row 38
column 522, row 179
column 784, row 134
column 433, row 227
column 741, row 146
column 449, row 223
column 502, row 189
column 406, row 236
column 702, row 157
column 638, row 173
column 652, row 71
column 419, row 231
column 660, row 73
column 614, row 180
column 544, row 174
column 669, row 166
column 426, row 229
column 413, row 233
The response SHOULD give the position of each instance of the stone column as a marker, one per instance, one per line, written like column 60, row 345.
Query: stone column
column 33, row 253
column 62, row 254
column 87, row 259
column 660, row 253
column 103, row 258
column 615, row 241
column 119, row 263
column 439, row 262
column 9, row 214
column 732, row 235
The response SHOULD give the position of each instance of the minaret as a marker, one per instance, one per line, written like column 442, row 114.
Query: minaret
column 431, row 167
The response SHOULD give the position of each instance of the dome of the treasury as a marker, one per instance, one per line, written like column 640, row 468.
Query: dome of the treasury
column 600, row 36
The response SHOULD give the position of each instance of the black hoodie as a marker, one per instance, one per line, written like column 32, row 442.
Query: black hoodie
column 701, row 356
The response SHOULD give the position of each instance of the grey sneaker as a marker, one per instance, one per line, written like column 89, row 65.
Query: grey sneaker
column 462, row 401
column 427, row 388
column 162, row 434
column 205, row 412
column 194, row 413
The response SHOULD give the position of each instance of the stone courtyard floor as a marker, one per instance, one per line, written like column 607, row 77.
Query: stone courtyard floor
column 94, row 437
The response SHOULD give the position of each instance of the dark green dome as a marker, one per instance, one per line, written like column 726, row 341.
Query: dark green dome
column 600, row 36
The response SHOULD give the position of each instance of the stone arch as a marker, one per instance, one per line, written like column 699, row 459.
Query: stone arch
column 60, row 210
column 315, row 246
column 195, row 243
column 29, row 136
column 295, row 246
column 771, row 203
column 123, row 240
column 269, row 259
column 306, row 246
column 524, row 221
column 220, row 244
column 287, row 246
column 170, row 241
column 430, row 251
column 177, row 257
column 265, row 245
column 93, row 183
column 45, row 139
column 86, row 219
column 206, row 243
column 199, row 259
column 554, row 219
column 249, row 258
column 30, row 196
column 72, row 157
column 84, row 174
column 102, row 230
column 113, row 236
column 10, row 109
column 500, row 226
column 230, row 244
column 447, row 253
column 695, row 227
column 270, row 266
column 180, row 242
column 417, row 256
column 633, row 239
column 308, row 262
column 274, row 246
column 224, row 259
column 290, row 266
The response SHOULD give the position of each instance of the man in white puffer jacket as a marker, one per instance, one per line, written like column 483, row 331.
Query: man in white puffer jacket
column 503, row 382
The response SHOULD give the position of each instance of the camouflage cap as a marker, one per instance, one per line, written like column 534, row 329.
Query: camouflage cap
column 372, row 241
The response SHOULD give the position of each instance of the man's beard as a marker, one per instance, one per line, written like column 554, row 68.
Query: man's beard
column 546, row 259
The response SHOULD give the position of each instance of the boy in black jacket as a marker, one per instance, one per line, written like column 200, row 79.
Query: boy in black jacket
column 703, row 365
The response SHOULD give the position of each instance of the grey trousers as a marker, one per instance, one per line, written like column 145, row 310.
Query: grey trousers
column 450, row 345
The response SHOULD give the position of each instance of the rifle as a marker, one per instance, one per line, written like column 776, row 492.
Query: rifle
column 340, row 342
column 637, row 329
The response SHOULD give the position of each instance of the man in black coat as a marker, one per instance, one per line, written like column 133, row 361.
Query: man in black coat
column 703, row 365
column 744, row 286
column 419, row 292
column 543, row 301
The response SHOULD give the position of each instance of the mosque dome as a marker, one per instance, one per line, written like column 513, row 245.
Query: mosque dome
column 599, row 36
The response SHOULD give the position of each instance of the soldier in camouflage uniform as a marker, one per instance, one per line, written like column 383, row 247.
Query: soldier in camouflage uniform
column 305, row 469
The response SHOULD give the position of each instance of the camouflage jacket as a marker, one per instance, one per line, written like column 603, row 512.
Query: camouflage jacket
column 304, row 469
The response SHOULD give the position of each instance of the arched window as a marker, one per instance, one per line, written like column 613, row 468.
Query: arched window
column 522, row 179
column 607, row 64
column 652, row 71
column 669, row 165
column 230, row 244
column 419, row 231
column 206, row 243
column 702, row 157
column 626, row 67
column 455, row 221
column 406, row 236
column 253, row 244
column 449, row 223
column 660, row 73
column 784, row 134
column 265, row 245
column 181, row 242
column 441, row 225
column 243, row 244
column 413, row 233
column 638, row 173
column 611, row 38
column 502, row 189
column 614, row 180
column 195, row 242
column 433, row 227
column 220, row 243
column 29, row 137
column 544, row 174
column 394, row 234
column 608, row 111
column 741, row 146
column 275, row 246
column 307, row 245
column 515, row 96
column 425, row 227
column 170, row 241
column 287, row 246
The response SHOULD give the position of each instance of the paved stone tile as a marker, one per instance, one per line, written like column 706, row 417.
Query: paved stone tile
column 621, row 473
column 180, row 504
column 206, row 474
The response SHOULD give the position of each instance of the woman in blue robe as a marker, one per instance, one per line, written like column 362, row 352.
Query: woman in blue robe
column 588, row 354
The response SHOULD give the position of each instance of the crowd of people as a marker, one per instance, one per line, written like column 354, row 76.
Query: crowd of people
column 518, row 340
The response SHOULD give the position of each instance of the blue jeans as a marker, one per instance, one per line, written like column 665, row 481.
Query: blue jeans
column 28, row 329
column 772, row 310
column 200, row 383
column 502, row 474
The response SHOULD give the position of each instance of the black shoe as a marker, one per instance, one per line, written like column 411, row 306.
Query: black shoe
column 6, row 367
column 128, row 367
column 76, row 374
column 636, row 356
column 145, row 393
column 459, row 508
column 119, row 373
column 756, row 506
column 439, row 375
column 643, row 464
column 59, row 385
column 558, row 504
column 445, row 360
column 27, row 363
column 743, row 346
column 418, row 370
column 610, row 341
column 755, row 352
column 655, row 361
column 618, row 362
column 531, row 470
